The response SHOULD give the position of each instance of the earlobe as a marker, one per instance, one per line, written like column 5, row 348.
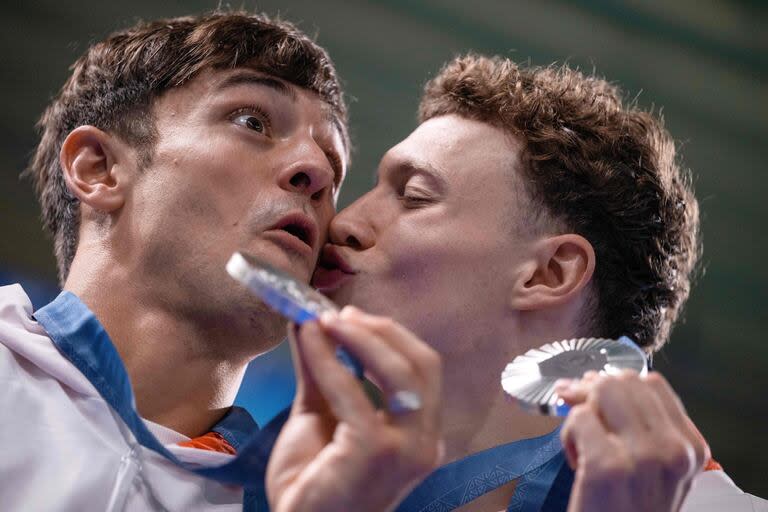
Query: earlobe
column 88, row 160
column 560, row 268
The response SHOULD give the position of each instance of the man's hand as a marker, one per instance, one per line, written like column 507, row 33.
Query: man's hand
column 630, row 442
column 337, row 452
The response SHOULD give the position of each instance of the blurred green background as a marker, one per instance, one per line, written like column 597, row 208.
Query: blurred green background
column 705, row 62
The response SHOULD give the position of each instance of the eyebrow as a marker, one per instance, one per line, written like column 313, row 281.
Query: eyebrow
column 409, row 166
column 421, row 166
column 247, row 78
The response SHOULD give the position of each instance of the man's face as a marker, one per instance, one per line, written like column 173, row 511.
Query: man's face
column 244, row 161
column 437, row 243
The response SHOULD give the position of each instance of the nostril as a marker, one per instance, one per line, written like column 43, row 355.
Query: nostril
column 301, row 180
column 352, row 242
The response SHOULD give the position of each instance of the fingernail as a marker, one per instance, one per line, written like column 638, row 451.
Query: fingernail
column 562, row 384
column 327, row 318
column 348, row 312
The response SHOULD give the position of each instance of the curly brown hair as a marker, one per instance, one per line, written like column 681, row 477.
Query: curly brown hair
column 606, row 170
column 115, row 82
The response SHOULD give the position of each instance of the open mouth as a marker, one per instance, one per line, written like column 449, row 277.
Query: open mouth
column 300, row 227
column 299, row 232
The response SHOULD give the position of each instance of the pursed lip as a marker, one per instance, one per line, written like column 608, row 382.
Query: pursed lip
column 332, row 269
column 331, row 258
column 298, row 230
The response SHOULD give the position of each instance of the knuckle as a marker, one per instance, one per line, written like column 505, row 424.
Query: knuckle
column 701, row 453
column 677, row 457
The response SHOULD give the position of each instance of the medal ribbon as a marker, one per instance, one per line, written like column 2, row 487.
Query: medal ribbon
column 535, row 462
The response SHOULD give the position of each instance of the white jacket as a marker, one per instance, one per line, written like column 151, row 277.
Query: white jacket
column 64, row 449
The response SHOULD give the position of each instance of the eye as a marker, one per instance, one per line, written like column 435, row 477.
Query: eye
column 250, row 122
column 252, row 118
column 414, row 197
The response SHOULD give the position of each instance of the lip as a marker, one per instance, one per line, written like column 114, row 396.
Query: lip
column 332, row 270
column 280, row 233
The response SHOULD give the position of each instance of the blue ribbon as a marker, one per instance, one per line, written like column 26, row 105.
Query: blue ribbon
column 535, row 462
column 82, row 339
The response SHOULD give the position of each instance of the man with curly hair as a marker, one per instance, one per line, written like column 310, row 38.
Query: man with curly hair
column 532, row 205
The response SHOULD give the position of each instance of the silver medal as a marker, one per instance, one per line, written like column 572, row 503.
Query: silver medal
column 530, row 378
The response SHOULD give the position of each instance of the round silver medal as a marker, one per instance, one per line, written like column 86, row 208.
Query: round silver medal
column 530, row 378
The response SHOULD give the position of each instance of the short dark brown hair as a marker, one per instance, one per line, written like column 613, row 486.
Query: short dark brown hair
column 115, row 82
column 605, row 169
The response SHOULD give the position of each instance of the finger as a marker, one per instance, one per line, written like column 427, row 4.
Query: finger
column 308, row 396
column 339, row 388
column 419, row 354
column 623, row 398
column 675, row 410
column 390, row 369
column 575, row 391
column 393, row 371
column 400, row 338
column 583, row 433
column 651, row 413
column 609, row 397
column 599, row 460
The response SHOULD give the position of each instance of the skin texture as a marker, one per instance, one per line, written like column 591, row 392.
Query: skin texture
column 235, row 154
column 448, row 244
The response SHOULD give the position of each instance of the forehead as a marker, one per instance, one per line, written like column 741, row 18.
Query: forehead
column 465, row 151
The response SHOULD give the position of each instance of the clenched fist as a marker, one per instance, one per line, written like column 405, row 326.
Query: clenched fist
column 630, row 443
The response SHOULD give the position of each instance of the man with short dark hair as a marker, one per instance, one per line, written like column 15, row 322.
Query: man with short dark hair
column 172, row 145
column 532, row 205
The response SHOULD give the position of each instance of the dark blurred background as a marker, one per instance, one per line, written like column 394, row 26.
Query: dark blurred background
column 705, row 62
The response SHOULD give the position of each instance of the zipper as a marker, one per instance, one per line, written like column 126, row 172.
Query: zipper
column 129, row 467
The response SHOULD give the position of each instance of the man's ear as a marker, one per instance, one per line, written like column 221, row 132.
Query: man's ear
column 90, row 160
column 560, row 268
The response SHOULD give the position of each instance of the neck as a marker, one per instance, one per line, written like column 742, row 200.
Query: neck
column 476, row 414
column 181, row 376
column 481, row 416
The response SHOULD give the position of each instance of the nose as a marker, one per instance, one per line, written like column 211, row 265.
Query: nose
column 352, row 228
column 309, row 176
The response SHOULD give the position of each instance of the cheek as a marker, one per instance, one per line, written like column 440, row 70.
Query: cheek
column 438, row 281
column 209, row 185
